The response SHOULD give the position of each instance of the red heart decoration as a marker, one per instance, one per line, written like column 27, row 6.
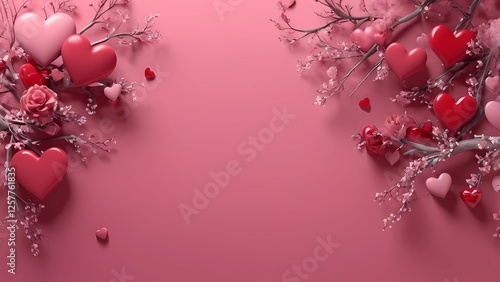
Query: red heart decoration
column 450, row 48
column 87, row 64
column 149, row 74
column 30, row 76
column 364, row 104
column 454, row 114
column 471, row 197
column 40, row 175
column 403, row 63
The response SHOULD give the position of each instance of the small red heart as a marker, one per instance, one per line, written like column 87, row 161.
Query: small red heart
column 426, row 129
column 403, row 63
column 40, row 175
column 102, row 233
column 364, row 104
column 149, row 74
column 30, row 76
column 453, row 114
column 450, row 47
column 471, row 197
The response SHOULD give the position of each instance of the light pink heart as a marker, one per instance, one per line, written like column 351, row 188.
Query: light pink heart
column 42, row 39
column 492, row 113
column 102, row 233
column 423, row 40
column 113, row 92
column 363, row 38
column 403, row 63
column 496, row 183
column 492, row 83
column 57, row 75
column 439, row 187
column 392, row 157
column 381, row 38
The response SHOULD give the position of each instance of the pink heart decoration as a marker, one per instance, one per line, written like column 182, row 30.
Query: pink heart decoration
column 439, row 187
column 40, row 175
column 86, row 64
column 42, row 39
column 491, row 83
column 363, row 38
column 57, row 75
column 381, row 38
column 403, row 63
column 492, row 113
column 102, row 233
column 392, row 157
column 423, row 40
column 496, row 183
column 113, row 92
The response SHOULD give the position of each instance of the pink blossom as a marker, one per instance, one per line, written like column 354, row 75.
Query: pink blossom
column 488, row 34
column 396, row 126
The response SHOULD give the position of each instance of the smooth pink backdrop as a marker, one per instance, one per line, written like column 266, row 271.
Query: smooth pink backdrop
column 220, row 78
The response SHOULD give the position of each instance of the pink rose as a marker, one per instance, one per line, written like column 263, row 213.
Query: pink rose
column 397, row 126
column 39, row 103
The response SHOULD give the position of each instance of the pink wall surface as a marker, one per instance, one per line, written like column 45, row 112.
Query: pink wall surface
column 293, row 191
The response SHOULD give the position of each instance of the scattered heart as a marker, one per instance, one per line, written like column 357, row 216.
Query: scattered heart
column 364, row 104
column 102, row 233
column 453, row 114
column 57, row 75
column 30, row 76
column 471, row 196
column 450, row 47
column 491, row 83
column 113, row 92
column 149, row 74
column 439, row 187
column 363, row 38
column 403, row 63
column 492, row 113
column 392, row 157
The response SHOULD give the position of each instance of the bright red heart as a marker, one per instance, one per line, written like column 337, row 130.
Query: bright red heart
column 453, row 114
column 149, row 74
column 403, row 63
column 364, row 104
column 40, row 175
column 450, row 48
column 87, row 64
column 30, row 76
column 471, row 197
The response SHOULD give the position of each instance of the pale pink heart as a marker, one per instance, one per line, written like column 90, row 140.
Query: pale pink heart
column 42, row 39
column 332, row 72
column 439, row 187
column 492, row 83
column 423, row 40
column 403, row 63
column 113, row 92
column 287, row 3
column 363, row 38
column 57, row 75
column 381, row 38
column 492, row 113
column 496, row 183
column 102, row 233
column 392, row 157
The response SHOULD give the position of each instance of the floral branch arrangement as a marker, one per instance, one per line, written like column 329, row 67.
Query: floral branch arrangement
column 44, row 57
column 469, row 52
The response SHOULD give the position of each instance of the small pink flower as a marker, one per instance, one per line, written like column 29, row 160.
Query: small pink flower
column 39, row 103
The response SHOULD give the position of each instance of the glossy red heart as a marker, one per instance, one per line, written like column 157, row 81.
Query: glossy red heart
column 471, row 197
column 30, row 76
column 364, row 104
column 453, row 114
column 40, row 175
column 87, row 64
column 403, row 63
column 450, row 47
column 149, row 74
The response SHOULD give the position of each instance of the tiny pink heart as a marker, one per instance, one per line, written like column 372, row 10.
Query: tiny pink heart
column 57, row 75
column 381, row 38
column 363, row 38
column 423, row 40
column 392, row 157
column 113, row 92
column 102, row 233
column 492, row 83
column 496, row 183
column 439, row 187
column 332, row 72
column 403, row 63
column 492, row 113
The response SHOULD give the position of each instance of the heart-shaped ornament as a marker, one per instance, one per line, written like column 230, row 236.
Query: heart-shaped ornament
column 30, row 76
column 57, row 75
column 471, row 197
column 450, row 47
column 363, row 38
column 149, row 74
column 40, row 175
column 439, row 187
column 86, row 64
column 491, row 83
column 403, row 63
column 42, row 39
column 102, row 233
column 113, row 92
column 492, row 113
column 453, row 114
column 392, row 157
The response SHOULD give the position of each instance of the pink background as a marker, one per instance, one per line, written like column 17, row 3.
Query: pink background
column 219, row 80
